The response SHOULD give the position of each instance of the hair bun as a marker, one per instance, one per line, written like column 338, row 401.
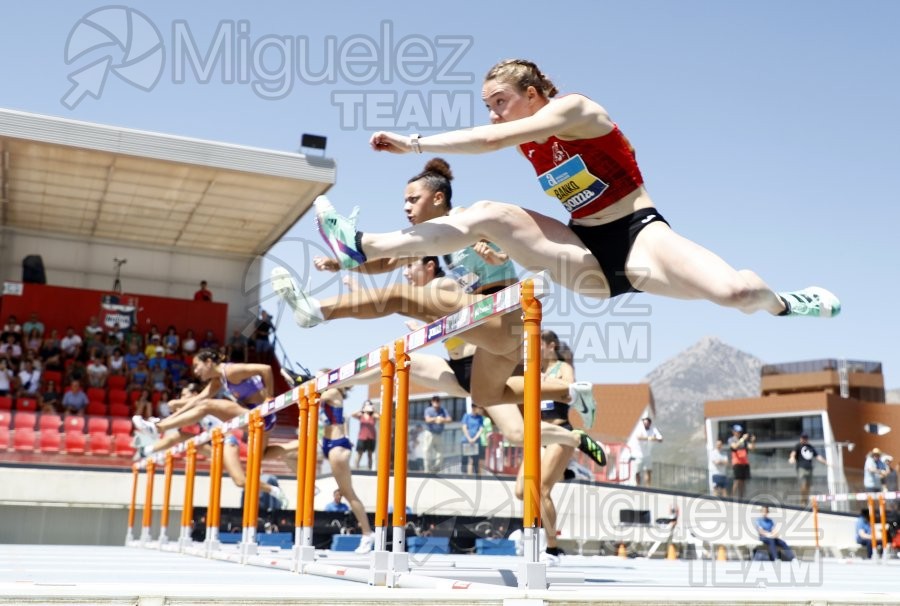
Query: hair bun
column 439, row 166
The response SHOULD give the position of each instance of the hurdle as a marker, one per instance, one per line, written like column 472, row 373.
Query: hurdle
column 869, row 498
column 387, row 568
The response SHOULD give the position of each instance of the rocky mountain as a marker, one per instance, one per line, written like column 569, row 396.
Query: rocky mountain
column 708, row 370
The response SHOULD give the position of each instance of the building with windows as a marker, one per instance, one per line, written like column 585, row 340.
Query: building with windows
column 840, row 404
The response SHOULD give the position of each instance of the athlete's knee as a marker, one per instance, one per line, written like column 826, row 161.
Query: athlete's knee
column 239, row 482
column 520, row 491
column 516, row 436
column 737, row 293
column 488, row 212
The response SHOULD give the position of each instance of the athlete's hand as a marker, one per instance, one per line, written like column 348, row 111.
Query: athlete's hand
column 390, row 142
column 326, row 264
column 490, row 256
column 413, row 325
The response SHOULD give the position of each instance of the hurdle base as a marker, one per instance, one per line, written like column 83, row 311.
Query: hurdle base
column 399, row 564
column 379, row 570
column 303, row 554
column 532, row 575
column 211, row 546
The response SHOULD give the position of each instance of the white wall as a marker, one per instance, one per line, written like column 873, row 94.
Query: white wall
column 152, row 271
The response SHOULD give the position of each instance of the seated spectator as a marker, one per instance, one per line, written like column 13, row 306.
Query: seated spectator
column 51, row 352
column 171, row 341
column 143, row 406
column 12, row 327
column 237, row 347
column 29, row 380
column 75, row 400
column 97, row 372
column 139, row 377
column 204, row 293
column 177, row 370
column 71, row 344
column 864, row 531
column 6, row 377
column 11, row 351
column 769, row 534
column 92, row 331
column 189, row 343
column 33, row 341
column 133, row 357
column 49, row 398
column 337, row 505
column 209, row 341
column 154, row 342
column 33, row 324
column 261, row 333
column 159, row 378
column 153, row 332
column 163, row 409
column 76, row 372
column 117, row 364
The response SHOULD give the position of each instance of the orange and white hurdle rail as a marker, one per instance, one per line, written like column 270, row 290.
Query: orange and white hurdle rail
column 387, row 568
column 870, row 499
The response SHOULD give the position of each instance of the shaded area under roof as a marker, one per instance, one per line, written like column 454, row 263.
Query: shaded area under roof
column 100, row 182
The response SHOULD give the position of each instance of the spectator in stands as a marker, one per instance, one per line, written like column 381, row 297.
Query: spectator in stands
column 33, row 341
column 139, row 377
column 75, row 400
column 875, row 471
column 864, row 531
column 237, row 347
column 415, row 448
column 12, row 327
column 740, row 444
column 337, row 504
column 6, row 377
column 143, row 406
column 153, row 343
column 153, row 332
column 769, row 534
column 11, row 351
column 189, row 343
column 97, row 372
column 647, row 436
column 803, row 456
column 365, row 439
column 171, row 341
column 261, row 333
column 49, row 399
column 203, row 294
column 76, row 371
column 29, row 380
column 117, row 364
column 718, row 464
column 470, row 441
column 209, row 341
column 159, row 374
column 51, row 352
column 33, row 323
column 93, row 331
column 163, row 409
column 71, row 344
column 436, row 417
column 133, row 357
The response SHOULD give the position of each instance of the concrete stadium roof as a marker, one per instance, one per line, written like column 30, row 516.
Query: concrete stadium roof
column 100, row 182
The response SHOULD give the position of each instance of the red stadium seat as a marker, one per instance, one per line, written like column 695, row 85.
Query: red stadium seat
column 117, row 382
column 24, row 420
column 96, row 394
column 122, row 427
column 4, row 439
column 75, row 440
column 52, row 375
column 5, row 419
column 97, row 425
column 96, row 408
column 118, row 396
column 6, row 403
column 49, row 422
column 99, row 444
column 24, row 440
column 122, row 445
column 50, row 441
column 119, row 410
column 28, row 404
column 73, row 423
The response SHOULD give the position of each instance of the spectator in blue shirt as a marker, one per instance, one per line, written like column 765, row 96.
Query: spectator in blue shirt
column 472, row 428
column 435, row 419
column 75, row 400
column 864, row 531
column 337, row 504
column 769, row 534
column 134, row 356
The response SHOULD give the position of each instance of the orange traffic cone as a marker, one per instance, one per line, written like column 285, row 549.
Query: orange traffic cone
column 623, row 553
column 672, row 554
column 722, row 556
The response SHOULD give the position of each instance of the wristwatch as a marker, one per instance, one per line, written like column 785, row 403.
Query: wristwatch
column 414, row 143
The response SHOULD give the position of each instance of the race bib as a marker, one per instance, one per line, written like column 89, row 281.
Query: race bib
column 572, row 184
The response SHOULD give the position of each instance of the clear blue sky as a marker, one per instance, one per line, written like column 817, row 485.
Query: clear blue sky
column 766, row 131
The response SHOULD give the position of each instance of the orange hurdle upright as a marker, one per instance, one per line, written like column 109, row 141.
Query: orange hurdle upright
column 303, row 406
column 187, row 511
column 167, row 495
column 148, row 503
column 384, row 449
column 309, row 480
column 399, row 557
column 135, row 475
column 532, row 574
column 213, row 509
